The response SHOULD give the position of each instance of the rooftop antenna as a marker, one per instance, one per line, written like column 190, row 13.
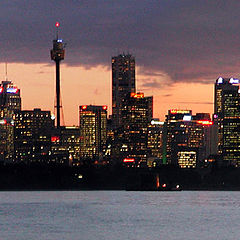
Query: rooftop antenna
column 6, row 73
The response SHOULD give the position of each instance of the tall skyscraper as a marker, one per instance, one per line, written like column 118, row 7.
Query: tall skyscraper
column 131, row 138
column 93, row 131
column 123, row 83
column 227, row 118
column 155, row 142
column 10, row 102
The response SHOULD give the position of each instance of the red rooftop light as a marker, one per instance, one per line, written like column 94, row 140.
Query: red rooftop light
column 205, row 122
column 137, row 95
column 104, row 107
column 128, row 160
column 57, row 24
column 84, row 107
column 55, row 138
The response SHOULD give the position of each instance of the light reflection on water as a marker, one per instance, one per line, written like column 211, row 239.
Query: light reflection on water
column 114, row 215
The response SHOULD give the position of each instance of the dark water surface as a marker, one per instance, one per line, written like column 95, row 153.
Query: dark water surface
column 119, row 215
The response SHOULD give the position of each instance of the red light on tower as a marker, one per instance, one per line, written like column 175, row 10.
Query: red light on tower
column 57, row 24
column 104, row 107
column 84, row 107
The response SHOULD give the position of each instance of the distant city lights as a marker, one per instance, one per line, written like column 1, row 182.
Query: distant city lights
column 187, row 118
column 177, row 111
column 205, row 122
column 128, row 160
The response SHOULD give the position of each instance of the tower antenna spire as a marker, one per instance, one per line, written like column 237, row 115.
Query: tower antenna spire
column 57, row 55
column 57, row 24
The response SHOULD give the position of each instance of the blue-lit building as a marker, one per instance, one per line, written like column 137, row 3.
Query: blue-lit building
column 10, row 96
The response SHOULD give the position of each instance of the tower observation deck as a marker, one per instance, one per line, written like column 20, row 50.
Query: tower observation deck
column 57, row 55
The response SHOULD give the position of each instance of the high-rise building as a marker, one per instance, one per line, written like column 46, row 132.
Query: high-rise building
column 93, row 131
column 131, row 138
column 187, row 138
column 10, row 96
column 32, row 135
column 227, row 118
column 10, row 102
column 123, row 83
column 155, row 142
column 6, row 138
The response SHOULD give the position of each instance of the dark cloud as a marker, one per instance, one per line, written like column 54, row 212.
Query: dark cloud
column 187, row 40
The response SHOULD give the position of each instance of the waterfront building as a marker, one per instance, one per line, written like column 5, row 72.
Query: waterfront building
column 67, row 145
column 123, row 83
column 131, row 139
column 32, row 135
column 93, row 132
column 6, row 138
column 227, row 119
column 188, row 138
column 155, row 142
column 10, row 101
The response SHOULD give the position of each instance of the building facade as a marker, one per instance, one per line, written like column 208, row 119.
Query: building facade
column 93, row 132
column 155, row 142
column 188, row 138
column 10, row 96
column 131, row 139
column 123, row 83
column 227, row 119
column 32, row 136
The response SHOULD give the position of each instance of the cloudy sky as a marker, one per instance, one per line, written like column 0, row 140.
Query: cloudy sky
column 180, row 46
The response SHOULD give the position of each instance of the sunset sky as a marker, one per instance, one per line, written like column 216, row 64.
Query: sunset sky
column 180, row 46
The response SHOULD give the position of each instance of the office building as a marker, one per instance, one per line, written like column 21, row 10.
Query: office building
column 131, row 139
column 66, row 146
column 6, row 138
column 155, row 142
column 32, row 136
column 227, row 119
column 123, row 83
column 93, row 132
column 187, row 138
column 10, row 96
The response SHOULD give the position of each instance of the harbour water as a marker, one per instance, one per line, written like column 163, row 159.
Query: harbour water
column 119, row 215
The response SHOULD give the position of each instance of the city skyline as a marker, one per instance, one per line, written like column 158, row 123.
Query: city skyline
column 187, row 46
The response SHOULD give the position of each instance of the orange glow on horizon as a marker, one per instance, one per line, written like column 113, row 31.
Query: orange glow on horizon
column 81, row 86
